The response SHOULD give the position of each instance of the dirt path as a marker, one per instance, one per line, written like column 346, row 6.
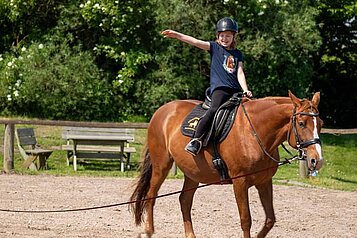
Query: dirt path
column 301, row 212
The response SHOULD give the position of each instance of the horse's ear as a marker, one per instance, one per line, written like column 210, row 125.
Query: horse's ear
column 296, row 101
column 316, row 99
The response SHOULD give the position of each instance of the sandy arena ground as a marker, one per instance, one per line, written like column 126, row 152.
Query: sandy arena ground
column 301, row 212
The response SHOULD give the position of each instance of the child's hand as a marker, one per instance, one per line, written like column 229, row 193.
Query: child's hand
column 248, row 93
column 169, row 33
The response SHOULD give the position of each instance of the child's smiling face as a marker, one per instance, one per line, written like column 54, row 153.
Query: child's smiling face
column 225, row 38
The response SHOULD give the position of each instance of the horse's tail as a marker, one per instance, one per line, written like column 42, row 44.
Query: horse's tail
column 142, row 187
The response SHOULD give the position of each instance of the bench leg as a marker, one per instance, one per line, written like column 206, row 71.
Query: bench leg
column 128, row 160
column 29, row 162
column 67, row 159
column 75, row 162
column 122, row 164
column 42, row 161
column 69, row 155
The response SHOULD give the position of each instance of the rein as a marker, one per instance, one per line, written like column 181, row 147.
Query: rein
column 287, row 160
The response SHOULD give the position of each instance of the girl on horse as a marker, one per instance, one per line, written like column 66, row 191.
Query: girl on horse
column 226, row 75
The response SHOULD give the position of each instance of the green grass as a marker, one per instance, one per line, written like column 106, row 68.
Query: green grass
column 49, row 137
column 339, row 171
column 340, row 165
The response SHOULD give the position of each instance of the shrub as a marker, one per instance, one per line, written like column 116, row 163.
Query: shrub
column 55, row 81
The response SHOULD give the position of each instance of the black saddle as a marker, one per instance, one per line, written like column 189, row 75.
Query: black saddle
column 222, row 122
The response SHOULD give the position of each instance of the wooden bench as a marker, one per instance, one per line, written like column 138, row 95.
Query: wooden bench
column 98, row 143
column 34, row 156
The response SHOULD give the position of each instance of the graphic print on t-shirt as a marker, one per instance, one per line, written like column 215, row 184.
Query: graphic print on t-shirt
column 229, row 64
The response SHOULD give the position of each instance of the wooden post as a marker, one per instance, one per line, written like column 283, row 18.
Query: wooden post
column 9, row 147
column 303, row 170
column 174, row 169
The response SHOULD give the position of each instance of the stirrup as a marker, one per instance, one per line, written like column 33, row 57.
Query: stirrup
column 194, row 146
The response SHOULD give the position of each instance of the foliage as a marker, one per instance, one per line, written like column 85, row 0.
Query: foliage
column 300, row 45
column 44, row 81
column 277, row 52
column 123, row 39
column 336, row 62
column 181, row 71
column 24, row 19
column 277, row 39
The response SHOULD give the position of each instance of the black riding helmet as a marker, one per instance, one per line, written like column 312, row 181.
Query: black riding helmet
column 227, row 24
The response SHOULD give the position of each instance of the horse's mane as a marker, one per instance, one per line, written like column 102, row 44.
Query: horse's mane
column 278, row 100
column 268, row 103
column 285, row 100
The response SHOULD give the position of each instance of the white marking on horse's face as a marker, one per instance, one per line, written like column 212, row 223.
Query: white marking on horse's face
column 316, row 135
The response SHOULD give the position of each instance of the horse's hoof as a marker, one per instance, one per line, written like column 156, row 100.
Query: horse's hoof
column 144, row 235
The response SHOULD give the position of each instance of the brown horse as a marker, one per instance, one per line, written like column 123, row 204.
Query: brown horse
column 260, row 125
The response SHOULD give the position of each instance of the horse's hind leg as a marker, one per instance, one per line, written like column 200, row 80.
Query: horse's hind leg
column 186, row 197
column 266, row 197
column 161, row 168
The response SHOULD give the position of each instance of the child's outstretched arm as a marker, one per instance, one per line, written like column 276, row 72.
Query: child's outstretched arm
column 204, row 45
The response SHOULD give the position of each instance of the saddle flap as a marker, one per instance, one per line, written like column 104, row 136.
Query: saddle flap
column 222, row 122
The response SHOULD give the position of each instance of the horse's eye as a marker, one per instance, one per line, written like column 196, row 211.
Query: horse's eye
column 301, row 124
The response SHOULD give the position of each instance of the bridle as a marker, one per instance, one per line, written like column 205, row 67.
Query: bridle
column 299, row 143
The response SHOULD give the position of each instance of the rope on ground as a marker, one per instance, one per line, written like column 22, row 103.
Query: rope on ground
column 130, row 202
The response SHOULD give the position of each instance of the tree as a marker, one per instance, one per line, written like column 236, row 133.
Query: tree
column 115, row 32
column 278, row 39
column 336, row 62
column 23, row 20
column 43, row 81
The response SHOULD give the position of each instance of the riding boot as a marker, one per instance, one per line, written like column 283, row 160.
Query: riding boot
column 194, row 146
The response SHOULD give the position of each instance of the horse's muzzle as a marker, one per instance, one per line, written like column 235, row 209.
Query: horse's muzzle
column 315, row 164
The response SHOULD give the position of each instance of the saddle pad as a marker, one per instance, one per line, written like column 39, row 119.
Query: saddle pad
column 188, row 127
column 222, row 122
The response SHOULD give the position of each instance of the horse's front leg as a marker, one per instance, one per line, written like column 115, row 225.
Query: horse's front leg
column 241, row 195
column 266, row 197
column 186, row 197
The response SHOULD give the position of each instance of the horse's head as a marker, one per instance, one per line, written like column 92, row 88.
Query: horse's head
column 305, row 130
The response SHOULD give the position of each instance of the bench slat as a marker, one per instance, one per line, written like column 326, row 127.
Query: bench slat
column 81, row 130
column 103, row 137
column 27, row 141
column 26, row 136
column 25, row 132
column 109, row 129
column 99, row 148
column 94, row 155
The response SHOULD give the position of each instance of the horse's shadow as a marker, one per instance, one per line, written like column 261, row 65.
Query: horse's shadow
column 344, row 180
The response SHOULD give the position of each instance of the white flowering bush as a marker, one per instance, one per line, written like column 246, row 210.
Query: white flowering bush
column 125, row 39
column 55, row 82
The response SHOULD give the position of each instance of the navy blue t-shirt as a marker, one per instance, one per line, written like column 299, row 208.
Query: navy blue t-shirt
column 224, row 66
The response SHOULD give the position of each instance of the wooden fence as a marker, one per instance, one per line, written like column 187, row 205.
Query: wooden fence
column 9, row 132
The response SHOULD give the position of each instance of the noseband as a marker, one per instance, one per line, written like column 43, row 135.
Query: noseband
column 299, row 143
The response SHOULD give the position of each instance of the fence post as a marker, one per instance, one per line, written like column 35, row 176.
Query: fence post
column 174, row 169
column 303, row 170
column 9, row 147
